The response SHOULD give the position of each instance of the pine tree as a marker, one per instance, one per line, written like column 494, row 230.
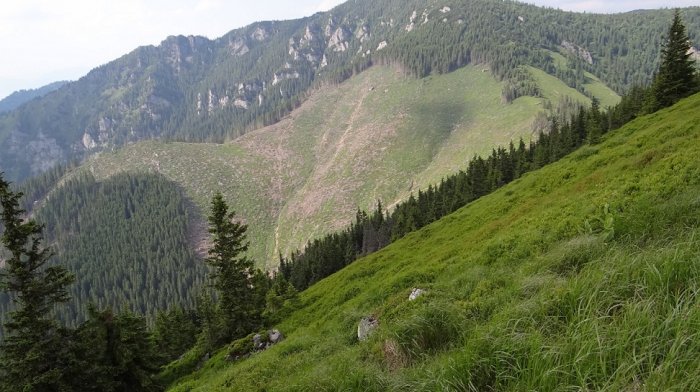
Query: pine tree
column 33, row 354
column 677, row 73
column 232, row 272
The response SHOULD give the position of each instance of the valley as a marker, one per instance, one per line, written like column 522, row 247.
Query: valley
column 378, row 136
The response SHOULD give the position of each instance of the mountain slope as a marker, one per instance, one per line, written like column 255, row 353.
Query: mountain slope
column 379, row 135
column 17, row 98
column 584, row 274
column 196, row 89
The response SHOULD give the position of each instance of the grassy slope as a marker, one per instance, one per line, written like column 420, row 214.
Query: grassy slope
column 593, row 85
column 522, row 294
column 378, row 135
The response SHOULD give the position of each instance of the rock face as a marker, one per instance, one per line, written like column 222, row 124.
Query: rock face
column 337, row 42
column 415, row 293
column 578, row 51
column 275, row 336
column 366, row 327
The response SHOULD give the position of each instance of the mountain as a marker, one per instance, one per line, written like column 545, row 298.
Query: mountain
column 195, row 89
column 383, row 133
column 379, row 135
column 17, row 98
column 583, row 274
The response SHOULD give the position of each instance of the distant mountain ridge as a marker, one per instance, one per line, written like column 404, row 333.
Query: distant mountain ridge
column 195, row 89
column 17, row 98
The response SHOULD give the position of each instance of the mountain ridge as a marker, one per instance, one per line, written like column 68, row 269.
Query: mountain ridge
column 196, row 89
column 18, row 98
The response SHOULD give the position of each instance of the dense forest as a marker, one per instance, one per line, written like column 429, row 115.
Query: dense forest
column 141, row 261
column 17, row 98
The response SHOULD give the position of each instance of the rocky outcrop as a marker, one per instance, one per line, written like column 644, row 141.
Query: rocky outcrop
column 282, row 76
column 338, row 41
column 366, row 326
column 253, row 343
column 415, row 293
column 259, row 34
column 238, row 47
column 577, row 51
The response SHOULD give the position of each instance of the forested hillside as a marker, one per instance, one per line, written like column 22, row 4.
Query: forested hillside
column 379, row 135
column 196, row 89
column 127, row 240
column 17, row 98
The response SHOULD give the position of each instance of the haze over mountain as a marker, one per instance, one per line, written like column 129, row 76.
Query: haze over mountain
column 17, row 98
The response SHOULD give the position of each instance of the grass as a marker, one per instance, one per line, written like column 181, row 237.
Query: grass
column 379, row 135
column 522, row 294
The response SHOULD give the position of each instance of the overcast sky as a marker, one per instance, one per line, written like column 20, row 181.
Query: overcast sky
column 42, row 41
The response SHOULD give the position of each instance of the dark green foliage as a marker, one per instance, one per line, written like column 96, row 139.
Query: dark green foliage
column 126, row 239
column 677, row 77
column 32, row 355
column 174, row 332
column 280, row 300
column 121, row 355
column 236, row 282
column 18, row 98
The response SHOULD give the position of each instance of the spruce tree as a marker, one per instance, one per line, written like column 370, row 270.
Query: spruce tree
column 232, row 272
column 33, row 356
column 676, row 78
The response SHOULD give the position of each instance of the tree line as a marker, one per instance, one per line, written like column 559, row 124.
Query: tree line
column 676, row 78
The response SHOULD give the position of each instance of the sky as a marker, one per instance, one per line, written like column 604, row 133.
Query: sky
column 42, row 41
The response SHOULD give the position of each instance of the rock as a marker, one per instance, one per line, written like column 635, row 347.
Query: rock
column 415, row 293
column 366, row 327
column 338, row 42
column 275, row 336
column 576, row 50
column 88, row 141
column 260, row 34
column 257, row 342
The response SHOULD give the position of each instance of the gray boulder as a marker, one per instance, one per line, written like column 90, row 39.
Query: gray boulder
column 275, row 336
column 366, row 327
column 415, row 293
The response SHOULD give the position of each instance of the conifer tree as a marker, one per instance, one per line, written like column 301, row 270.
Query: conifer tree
column 232, row 272
column 676, row 78
column 33, row 354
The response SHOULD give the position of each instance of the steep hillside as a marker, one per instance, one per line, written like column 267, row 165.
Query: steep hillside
column 126, row 240
column 379, row 135
column 582, row 275
column 196, row 89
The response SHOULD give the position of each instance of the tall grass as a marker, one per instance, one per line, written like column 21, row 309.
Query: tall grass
column 522, row 293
